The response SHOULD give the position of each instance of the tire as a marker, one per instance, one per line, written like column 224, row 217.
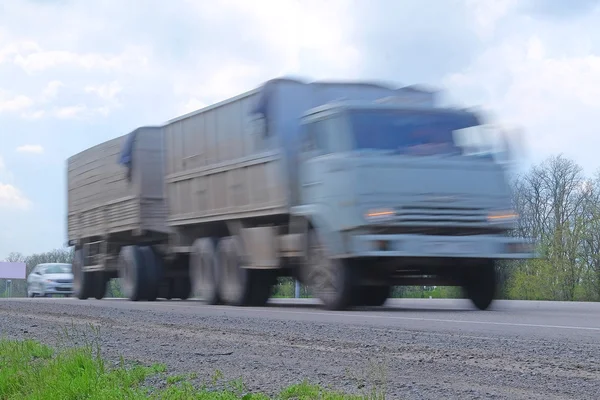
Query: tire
column 182, row 288
column 480, row 284
column 234, row 282
column 261, row 286
column 166, row 289
column 240, row 286
column 204, row 271
column 331, row 280
column 99, row 284
column 131, row 273
column 374, row 296
column 83, row 281
column 152, row 271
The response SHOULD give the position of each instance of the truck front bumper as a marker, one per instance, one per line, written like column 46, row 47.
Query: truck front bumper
column 479, row 246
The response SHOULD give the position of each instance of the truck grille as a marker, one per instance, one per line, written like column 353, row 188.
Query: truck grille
column 441, row 215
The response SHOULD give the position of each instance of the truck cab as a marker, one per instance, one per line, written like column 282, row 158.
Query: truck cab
column 395, row 194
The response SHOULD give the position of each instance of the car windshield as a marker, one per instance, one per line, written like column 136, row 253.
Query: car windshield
column 410, row 131
column 58, row 269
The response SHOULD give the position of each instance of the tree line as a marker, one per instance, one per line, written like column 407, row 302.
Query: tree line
column 559, row 208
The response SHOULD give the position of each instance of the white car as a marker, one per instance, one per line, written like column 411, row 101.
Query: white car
column 49, row 279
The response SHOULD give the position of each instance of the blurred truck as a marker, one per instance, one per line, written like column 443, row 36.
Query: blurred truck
column 349, row 187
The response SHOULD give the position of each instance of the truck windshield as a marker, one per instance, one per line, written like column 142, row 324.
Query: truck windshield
column 410, row 131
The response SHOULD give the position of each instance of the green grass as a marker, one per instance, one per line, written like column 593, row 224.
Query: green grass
column 31, row 370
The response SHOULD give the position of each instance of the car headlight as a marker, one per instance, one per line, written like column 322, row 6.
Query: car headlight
column 503, row 216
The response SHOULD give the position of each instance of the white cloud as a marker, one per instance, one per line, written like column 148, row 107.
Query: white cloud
column 69, row 111
column 487, row 14
column 106, row 91
column 32, row 58
column 307, row 38
column 11, row 103
column 51, row 90
column 12, row 197
column 33, row 114
column 530, row 83
column 30, row 148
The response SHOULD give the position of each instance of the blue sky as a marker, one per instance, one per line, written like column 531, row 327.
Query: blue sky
column 76, row 73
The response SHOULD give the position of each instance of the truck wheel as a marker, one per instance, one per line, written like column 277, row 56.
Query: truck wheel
column 234, row 282
column 182, row 288
column 99, row 284
column 82, row 281
column 374, row 296
column 330, row 280
column 131, row 273
column 261, row 286
column 480, row 284
column 152, row 268
column 166, row 289
column 203, row 271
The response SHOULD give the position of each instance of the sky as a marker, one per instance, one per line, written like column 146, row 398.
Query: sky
column 76, row 73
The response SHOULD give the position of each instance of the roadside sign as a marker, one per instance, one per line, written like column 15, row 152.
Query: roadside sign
column 12, row 270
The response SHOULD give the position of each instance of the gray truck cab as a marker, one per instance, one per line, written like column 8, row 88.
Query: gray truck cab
column 401, row 195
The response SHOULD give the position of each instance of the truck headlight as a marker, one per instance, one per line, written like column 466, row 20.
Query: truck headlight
column 503, row 216
column 381, row 214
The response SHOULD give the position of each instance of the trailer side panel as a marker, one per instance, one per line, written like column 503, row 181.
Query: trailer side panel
column 102, row 200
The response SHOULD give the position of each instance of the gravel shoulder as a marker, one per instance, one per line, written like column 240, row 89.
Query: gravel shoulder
column 407, row 361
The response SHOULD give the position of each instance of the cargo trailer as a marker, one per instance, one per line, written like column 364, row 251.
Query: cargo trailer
column 350, row 187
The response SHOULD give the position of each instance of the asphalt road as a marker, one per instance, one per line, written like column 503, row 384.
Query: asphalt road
column 408, row 349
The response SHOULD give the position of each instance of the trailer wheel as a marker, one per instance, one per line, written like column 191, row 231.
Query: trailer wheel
column 99, row 282
column 204, row 271
column 82, row 281
column 331, row 280
column 131, row 272
column 152, row 268
column 480, row 284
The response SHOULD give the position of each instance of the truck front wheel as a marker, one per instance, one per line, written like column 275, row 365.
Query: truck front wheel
column 331, row 280
column 479, row 284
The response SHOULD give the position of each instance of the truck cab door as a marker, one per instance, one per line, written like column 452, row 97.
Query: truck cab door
column 311, row 147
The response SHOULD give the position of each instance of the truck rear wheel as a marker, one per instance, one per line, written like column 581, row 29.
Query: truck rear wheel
column 331, row 280
column 131, row 273
column 152, row 268
column 204, row 271
column 241, row 286
column 480, row 284
column 234, row 285
column 99, row 282
column 82, row 281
